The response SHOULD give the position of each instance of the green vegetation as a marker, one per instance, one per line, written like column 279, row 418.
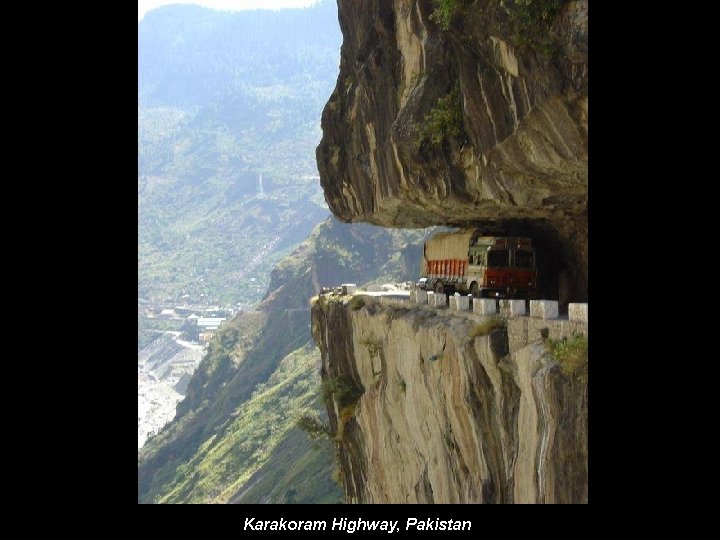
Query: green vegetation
column 531, row 20
column 224, row 462
column 343, row 389
column 298, row 470
column 445, row 10
column 219, row 363
column 346, row 393
column 311, row 424
column 530, row 14
column 572, row 353
column 487, row 326
column 444, row 120
column 268, row 346
column 356, row 302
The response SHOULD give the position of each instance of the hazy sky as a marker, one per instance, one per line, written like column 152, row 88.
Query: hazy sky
column 146, row 5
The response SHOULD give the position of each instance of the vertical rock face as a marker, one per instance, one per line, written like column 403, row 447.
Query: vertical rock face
column 427, row 408
column 516, row 162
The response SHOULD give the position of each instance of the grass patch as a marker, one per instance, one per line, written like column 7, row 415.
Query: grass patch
column 245, row 441
column 572, row 353
column 313, row 426
column 346, row 393
column 487, row 326
column 356, row 302
column 298, row 471
column 445, row 11
column 531, row 20
column 444, row 120
column 344, row 390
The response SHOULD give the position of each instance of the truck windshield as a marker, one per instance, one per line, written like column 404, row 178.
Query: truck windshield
column 498, row 258
column 524, row 259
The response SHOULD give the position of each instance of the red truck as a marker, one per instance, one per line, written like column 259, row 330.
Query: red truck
column 484, row 266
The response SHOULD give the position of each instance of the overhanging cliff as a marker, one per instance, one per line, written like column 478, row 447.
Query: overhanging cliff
column 431, row 406
column 477, row 119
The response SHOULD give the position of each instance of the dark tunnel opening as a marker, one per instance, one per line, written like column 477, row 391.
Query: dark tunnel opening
column 561, row 273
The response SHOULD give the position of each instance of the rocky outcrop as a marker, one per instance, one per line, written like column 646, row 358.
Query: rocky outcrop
column 431, row 407
column 516, row 162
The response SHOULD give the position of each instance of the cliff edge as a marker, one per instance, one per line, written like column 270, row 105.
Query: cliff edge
column 430, row 406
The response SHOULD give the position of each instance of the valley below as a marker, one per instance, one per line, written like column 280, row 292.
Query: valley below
column 165, row 367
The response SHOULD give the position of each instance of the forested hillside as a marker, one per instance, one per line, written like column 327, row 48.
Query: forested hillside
column 225, row 99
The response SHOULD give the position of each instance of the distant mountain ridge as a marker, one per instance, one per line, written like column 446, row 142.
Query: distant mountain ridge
column 186, row 52
column 223, row 98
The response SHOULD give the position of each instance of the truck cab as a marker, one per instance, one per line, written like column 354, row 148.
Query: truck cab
column 484, row 266
column 501, row 267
